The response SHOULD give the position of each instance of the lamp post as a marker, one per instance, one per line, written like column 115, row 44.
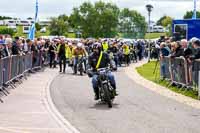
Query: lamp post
column 149, row 8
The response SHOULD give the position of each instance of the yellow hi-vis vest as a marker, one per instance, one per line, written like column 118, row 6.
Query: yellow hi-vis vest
column 99, row 60
column 105, row 47
column 126, row 50
column 69, row 53
column 58, row 49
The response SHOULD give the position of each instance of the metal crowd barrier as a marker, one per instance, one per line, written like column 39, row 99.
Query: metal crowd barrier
column 179, row 71
column 165, row 68
column 37, row 60
column 194, row 71
column 175, row 70
column 1, row 73
column 6, row 69
column 16, row 66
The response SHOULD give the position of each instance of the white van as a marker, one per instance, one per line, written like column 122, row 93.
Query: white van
column 159, row 29
column 26, row 29
column 24, row 23
column 43, row 30
column 13, row 27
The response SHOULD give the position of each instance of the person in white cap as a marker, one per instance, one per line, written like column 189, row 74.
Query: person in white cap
column 78, row 52
column 8, row 46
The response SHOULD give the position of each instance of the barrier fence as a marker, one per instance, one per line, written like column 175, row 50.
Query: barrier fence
column 179, row 71
column 14, row 67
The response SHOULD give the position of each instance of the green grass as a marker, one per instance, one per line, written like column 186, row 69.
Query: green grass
column 154, row 35
column 38, row 34
column 71, row 35
column 147, row 72
column 2, row 27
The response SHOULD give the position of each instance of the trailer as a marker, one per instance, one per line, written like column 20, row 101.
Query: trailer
column 186, row 29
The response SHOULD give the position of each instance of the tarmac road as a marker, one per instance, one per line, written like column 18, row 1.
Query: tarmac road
column 136, row 109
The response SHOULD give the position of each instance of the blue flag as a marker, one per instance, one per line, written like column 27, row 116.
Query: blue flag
column 32, row 30
column 195, row 10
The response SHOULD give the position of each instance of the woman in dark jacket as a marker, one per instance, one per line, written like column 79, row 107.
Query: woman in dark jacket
column 178, row 50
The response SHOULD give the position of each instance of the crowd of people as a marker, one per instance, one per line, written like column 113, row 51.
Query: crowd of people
column 93, row 53
column 187, row 50
column 118, row 52
column 62, row 51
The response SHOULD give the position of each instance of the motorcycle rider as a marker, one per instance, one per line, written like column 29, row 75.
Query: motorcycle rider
column 105, row 45
column 77, row 53
column 99, row 59
column 114, row 50
column 126, row 52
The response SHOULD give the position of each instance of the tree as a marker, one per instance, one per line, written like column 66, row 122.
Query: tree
column 132, row 24
column 63, row 17
column 58, row 26
column 4, row 17
column 7, row 31
column 166, row 21
column 189, row 14
column 159, row 22
column 38, row 26
column 29, row 18
column 95, row 20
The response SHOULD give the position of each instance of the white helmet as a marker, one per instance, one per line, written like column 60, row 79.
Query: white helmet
column 79, row 45
column 70, row 44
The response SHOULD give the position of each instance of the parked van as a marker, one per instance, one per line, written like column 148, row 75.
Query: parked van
column 13, row 27
column 159, row 29
column 26, row 29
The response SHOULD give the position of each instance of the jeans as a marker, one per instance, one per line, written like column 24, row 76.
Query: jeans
column 163, row 69
column 76, row 61
column 52, row 61
column 62, row 61
column 95, row 81
column 116, row 60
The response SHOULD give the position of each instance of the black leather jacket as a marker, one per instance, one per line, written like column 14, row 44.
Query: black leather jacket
column 93, row 60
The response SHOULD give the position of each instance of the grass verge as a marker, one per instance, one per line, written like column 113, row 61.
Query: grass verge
column 147, row 72
column 154, row 35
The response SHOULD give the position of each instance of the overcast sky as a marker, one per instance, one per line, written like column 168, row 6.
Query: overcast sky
column 48, row 8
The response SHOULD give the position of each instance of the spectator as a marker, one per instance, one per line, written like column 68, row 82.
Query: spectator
column 34, row 50
column 52, row 54
column 25, row 46
column 164, row 50
column 196, row 46
column 29, row 44
column 186, row 50
column 2, row 53
column 8, row 47
column 140, row 49
column 177, row 51
column 16, row 46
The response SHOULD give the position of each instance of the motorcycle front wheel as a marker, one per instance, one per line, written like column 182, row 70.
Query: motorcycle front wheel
column 107, row 95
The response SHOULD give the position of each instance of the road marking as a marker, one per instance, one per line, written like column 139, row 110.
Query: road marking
column 12, row 130
column 66, row 125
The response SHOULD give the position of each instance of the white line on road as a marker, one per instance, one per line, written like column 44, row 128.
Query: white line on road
column 55, row 113
column 12, row 130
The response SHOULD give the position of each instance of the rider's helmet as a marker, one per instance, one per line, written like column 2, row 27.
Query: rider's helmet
column 70, row 44
column 79, row 45
column 96, row 46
